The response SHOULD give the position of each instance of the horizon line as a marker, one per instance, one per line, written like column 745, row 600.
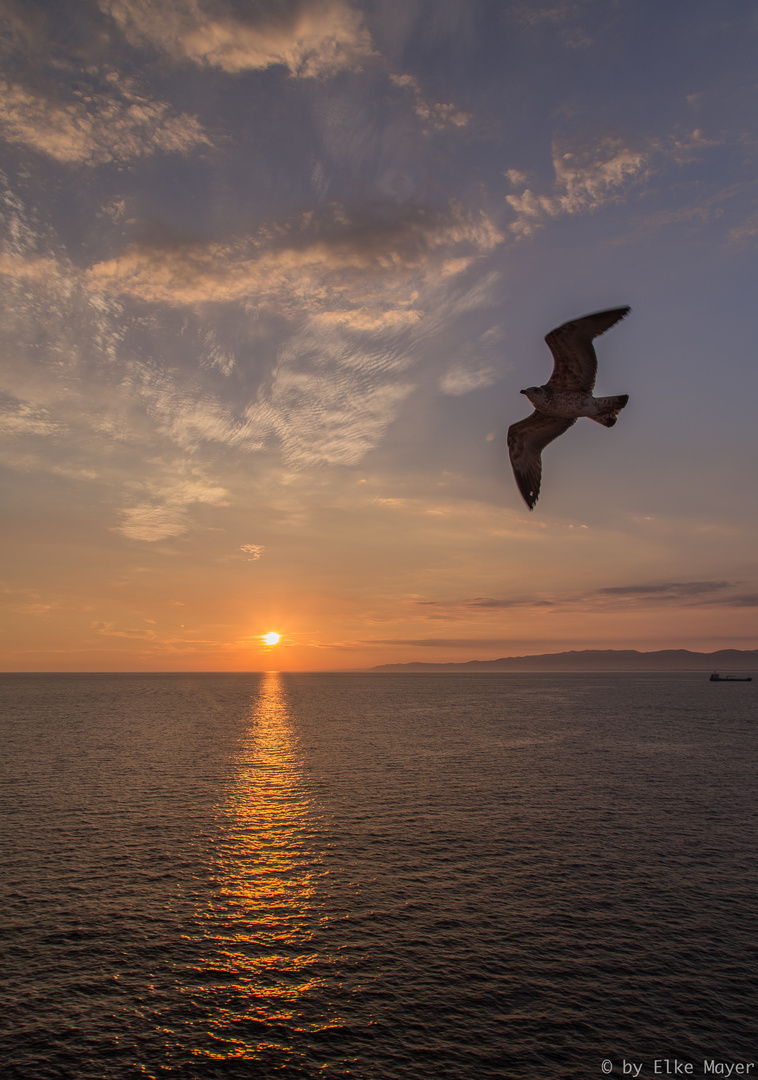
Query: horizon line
column 381, row 668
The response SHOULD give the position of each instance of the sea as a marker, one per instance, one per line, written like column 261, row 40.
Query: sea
column 377, row 875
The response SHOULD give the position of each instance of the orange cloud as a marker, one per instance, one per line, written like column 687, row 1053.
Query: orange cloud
column 321, row 261
column 585, row 179
column 115, row 122
column 310, row 39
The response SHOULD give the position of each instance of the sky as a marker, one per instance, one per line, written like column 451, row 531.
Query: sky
column 273, row 275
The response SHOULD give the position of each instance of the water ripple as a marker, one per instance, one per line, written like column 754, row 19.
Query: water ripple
column 375, row 876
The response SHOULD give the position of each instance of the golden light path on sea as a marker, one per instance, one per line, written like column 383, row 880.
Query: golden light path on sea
column 260, row 939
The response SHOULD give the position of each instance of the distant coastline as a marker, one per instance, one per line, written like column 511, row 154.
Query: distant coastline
column 600, row 660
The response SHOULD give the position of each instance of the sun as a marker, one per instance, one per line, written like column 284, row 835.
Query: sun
column 271, row 638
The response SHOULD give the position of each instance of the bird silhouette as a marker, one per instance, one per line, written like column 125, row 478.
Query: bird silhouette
column 565, row 397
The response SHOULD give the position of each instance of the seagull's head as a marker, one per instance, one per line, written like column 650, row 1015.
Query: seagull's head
column 534, row 393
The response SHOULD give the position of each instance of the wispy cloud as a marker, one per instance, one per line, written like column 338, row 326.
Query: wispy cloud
column 183, row 411
column 434, row 115
column 111, row 629
column 691, row 593
column 472, row 372
column 22, row 418
column 443, row 643
column 675, row 590
column 605, row 600
column 111, row 120
column 253, row 551
column 329, row 400
column 310, row 38
column 586, row 178
column 461, row 380
column 453, row 610
column 165, row 514
column 746, row 232
column 361, row 293
column 152, row 523
column 332, row 261
column 569, row 18
column 26, row 601
column 611, row 169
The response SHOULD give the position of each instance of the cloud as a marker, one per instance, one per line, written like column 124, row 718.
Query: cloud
column 332, row 262
column 607, row 170
column 443, row 643
column 109, row 629
column 329, row 399
column 26, row 601
column 253, row 551
column 473, row 372
column 604, row 600
column 23, row 26
column 569, row 19
column 56, row 336
column 361, row 292
column 311, row 38
column 695, row 593
column 537, row 12
column 184, row 411
column 112, row 121
column 31, row 270
column 675, row 590
column 462, row 380
column 489, row 602
column 357, row 300
column 364, row 319
column 151, row 523
column 746, row 232
column 434, row 115
column 586, row 178
column 22, row 418
column 164, row 515
column 451, row 610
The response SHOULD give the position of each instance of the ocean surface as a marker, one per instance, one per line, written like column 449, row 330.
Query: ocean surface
column 377, row 876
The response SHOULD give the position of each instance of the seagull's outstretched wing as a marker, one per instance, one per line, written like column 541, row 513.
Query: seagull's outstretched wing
column 571, row 346
column 526, row 441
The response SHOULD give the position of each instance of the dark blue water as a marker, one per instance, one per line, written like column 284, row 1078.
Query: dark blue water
column 380, row 876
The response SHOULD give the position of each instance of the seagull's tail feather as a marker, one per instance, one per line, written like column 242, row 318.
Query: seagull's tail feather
column 608, row 409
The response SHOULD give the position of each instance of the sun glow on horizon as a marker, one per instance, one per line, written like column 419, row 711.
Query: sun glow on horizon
column 271, row 638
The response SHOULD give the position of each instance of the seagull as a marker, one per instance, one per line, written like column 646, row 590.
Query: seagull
column 565, row 397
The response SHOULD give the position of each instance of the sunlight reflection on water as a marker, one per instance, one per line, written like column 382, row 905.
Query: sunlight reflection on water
column 268, row 905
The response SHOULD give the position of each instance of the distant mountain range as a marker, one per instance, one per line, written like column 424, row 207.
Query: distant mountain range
column 601, row 660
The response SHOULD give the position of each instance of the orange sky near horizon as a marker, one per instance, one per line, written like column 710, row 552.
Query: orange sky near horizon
column 158, row 616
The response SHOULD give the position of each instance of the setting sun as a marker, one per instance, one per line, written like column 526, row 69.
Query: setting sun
column 271, row 638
